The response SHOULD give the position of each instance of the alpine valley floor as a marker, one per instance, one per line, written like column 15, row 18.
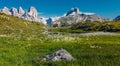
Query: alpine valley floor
column 88, row 50
column 21, row 45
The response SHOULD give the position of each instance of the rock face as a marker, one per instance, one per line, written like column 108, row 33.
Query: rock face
column 52, row 19
column 20, row 11
column 75, row 15
column 73, row 11
column 6, row 11
column 49, row 21
column 59, row 55
column 31, row 14
column 14, row 12
column 117, row 18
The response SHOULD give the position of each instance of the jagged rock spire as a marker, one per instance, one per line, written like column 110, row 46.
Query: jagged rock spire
column 6, row 11
column 31, row 14
column 32, row 11
column 14, row 11
column 20, row 11
column 117, row 18
column 73, row 11
column 76, row 10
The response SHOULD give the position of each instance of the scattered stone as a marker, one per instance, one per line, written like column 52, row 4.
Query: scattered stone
column 95, row 46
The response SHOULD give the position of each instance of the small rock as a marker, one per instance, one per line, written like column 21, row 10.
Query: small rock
column 93, row 46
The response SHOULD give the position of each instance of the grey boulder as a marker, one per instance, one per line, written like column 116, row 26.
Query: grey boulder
column 60, row 55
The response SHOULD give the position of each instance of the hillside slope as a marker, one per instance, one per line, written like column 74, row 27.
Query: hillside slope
column 10, row 24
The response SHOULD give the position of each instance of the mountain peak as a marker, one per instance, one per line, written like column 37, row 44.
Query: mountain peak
column 76, row 10
column 31, row 14
column 14, row 11
column 20, row 7
column 73, row 11
column 5, row 7
column 6, row 11
column 20, row 11
column 75, row 16
column 32, row 11
column 117, row 18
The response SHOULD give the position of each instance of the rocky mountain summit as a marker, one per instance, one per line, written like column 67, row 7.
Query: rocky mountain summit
column 14, row 12
column 74, row 15
column 73, row 11
column 31, row 14
column 21, row 11
column 117, row 18
column 6, row 11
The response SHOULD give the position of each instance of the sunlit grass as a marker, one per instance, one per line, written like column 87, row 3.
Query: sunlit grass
column 23, row 43
column 88, row 50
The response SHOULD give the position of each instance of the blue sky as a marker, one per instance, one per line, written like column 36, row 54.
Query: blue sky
column 48, row 8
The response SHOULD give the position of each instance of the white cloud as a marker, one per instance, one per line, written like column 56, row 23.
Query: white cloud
column 88, row 13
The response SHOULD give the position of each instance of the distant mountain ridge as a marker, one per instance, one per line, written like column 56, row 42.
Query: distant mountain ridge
column 78, row 16
column 117, row 18
column 72, row 16
column 75, row 15
column 31, row 14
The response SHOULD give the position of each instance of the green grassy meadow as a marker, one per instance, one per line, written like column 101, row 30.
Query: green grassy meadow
column 98, row 50
column 23, row 43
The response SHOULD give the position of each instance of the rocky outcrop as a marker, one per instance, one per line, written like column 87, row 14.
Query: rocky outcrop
column 91, row 18
column 117, row 18
column 75, row 15
column 21, row 11
column 73, row 11
column 60, row 55
column 14, row 12
column 6, row 11
column 52, row 20
column 49, row 21
column 43, row 20
column 31, row 14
